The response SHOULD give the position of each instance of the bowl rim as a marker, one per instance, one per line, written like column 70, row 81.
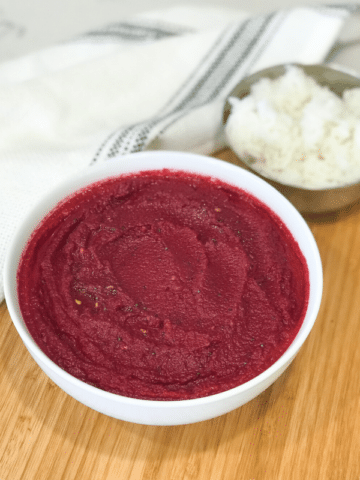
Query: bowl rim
column 87, row 177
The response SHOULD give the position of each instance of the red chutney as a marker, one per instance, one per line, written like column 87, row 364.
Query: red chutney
column 163, row 285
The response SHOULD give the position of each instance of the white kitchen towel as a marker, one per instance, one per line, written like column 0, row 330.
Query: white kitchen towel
column 158, row 80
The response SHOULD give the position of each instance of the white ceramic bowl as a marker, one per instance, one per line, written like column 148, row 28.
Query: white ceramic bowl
column 181, row 411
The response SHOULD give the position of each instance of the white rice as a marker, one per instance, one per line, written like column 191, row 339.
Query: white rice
column 297, row 132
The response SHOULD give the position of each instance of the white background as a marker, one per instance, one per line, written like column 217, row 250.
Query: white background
column 28, row 25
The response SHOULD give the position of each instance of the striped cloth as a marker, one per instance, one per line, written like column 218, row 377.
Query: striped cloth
column 156, row 81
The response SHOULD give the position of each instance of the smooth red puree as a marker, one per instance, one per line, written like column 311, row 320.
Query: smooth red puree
column 163, row 285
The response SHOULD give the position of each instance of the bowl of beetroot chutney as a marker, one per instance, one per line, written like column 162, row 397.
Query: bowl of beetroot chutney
column 163, row 288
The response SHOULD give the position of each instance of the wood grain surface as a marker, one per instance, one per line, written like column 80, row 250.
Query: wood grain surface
column 305, row 426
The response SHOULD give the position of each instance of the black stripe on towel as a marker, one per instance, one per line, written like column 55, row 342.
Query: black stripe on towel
column 202, row 86
column 133, row 32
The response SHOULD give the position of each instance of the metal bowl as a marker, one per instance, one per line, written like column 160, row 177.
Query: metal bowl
column 307, row 200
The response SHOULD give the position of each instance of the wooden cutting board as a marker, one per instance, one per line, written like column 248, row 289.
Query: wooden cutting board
column 305, row 426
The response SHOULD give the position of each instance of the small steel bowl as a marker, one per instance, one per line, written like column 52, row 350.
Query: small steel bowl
column 307, row 201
